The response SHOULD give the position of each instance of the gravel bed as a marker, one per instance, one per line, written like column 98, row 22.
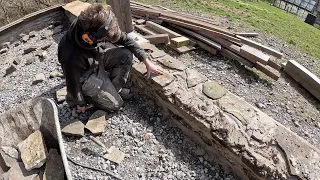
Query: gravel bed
column 168, row 154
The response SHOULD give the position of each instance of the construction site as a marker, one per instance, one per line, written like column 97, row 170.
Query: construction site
column 234, row 102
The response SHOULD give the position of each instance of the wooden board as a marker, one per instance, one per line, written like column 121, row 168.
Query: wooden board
column 229, row 54
column 158, row 38
column 199, row 37
column 261, row 47
column 161, row 29
column 206, row 47
column 254, row 55
column 267, row 70
column 248, row 34
column 179, row 41
column 145, row 29
column 304, row 77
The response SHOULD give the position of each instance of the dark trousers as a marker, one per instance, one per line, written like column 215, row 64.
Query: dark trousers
column 103, row 87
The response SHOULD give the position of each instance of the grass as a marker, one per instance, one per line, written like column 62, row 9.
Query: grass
column 259, row 15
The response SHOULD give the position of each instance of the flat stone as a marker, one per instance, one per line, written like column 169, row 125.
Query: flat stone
column 163, row 80
column 194, row 78
column 4, row 50
column 214, row 90
column 39, row 78
column 75, row 128
column 11, row 151
column 33, row 151
column 115, row 155
column 6, row 45
column 16, row 61
column 32, row 34
column 10, row 70
column 140, row 67
column 19, row 172
column 172, row 63
column 55, row 74
column 29, row 50
column 31, row 59
column 61, row 94
column 97, row 122
column 158, row 54
column 46, row 46
column 8, row 160
column 25, row 38
column 54, row 167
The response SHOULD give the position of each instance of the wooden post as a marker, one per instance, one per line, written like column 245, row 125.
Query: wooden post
column 122, row 11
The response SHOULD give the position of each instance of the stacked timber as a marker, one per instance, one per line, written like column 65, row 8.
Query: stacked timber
column 206, row 34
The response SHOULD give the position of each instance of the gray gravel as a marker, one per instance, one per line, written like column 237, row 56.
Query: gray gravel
column 168, row 154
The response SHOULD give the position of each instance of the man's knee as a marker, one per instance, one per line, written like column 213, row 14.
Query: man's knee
column 127, row 57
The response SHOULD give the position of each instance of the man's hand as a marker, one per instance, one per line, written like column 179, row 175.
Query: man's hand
column 151, row 68
column 81, row 109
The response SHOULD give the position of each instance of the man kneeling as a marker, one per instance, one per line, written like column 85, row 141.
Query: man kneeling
column 96, row 69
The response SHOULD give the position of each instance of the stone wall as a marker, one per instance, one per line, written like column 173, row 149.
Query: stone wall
column 235, row 133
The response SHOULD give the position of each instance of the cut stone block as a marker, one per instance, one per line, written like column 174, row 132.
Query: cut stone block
column 97, row 122
column 54, row 74
column 214, row 90
column 194, row 78
column 61, row 94
column 75, row 128
column 172, row 63
column 33, row 151
column 115, row 155
column 54, row 167
column 39, row 78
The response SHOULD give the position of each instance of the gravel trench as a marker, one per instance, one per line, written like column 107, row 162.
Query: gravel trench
column 155, row 148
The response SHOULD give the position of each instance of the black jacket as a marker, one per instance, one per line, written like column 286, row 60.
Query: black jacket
column 73, row 54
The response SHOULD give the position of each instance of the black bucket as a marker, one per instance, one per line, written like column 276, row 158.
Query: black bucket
column 310, row 19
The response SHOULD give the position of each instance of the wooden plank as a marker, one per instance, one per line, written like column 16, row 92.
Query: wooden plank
column 261, row 47
column 158, row 38
column 161, row 29
column 248, row 34
column 304, row 77
column 267, row 70
column 201, row 30
column 227, row 53
column 254, row 55
column 184, row 49
column 179, row 41
column 274, row 65
column 145, row 29
column 199, row 37
column 206, row 47
column 122, row 11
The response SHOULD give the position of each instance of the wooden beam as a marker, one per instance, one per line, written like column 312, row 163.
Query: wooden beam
column 198, row 37
column 179, row 41
column 145, row 29
column 254, row 55
column 161, row 29
column 248, row 34
column 261, row 47
column 201, row 30
column 267, row 70
column 229, row 54
column 122, row 11
column 206, row 47
column 304, row 77
column 158, row 38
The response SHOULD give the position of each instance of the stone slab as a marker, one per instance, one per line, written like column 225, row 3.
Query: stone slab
column 115, row 155
column 75, row 128
column 97, row 122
